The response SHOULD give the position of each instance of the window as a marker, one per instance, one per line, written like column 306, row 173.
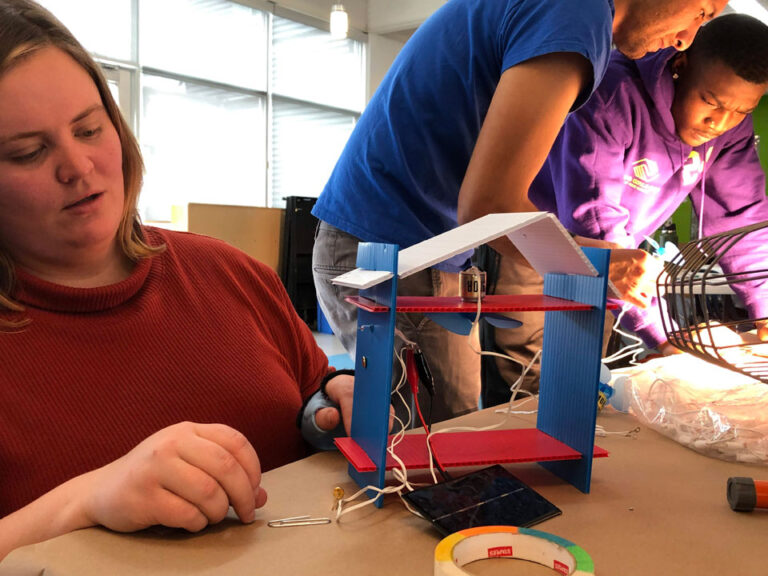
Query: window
column 200, row 144
column 104, row 28
column 308, row 136
column 315, row 82
column 231, row 104
column 216, row 40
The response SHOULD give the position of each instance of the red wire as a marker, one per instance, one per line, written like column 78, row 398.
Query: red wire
column 412, row 374
column 426, row 429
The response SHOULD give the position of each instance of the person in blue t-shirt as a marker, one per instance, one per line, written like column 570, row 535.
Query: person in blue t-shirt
column 458, row 128
column 658, row 130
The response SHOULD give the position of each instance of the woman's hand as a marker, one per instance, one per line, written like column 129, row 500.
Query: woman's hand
column 186, row 476
column 340, row 389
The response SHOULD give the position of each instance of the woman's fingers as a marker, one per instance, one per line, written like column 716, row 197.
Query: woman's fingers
column 340, row 390
column 185, row 475
column 327, row 418
column 226, row 456
column 208, row 490
column 177, row 512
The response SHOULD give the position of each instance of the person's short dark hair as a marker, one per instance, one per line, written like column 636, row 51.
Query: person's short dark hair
column 738, row 41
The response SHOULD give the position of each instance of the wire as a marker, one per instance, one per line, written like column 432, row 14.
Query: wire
column 404, row 338
column 508, row 409
column 428, row 430
column 632, row 350
column 400, row 472
column 514, row 390
column 600, row 431
column 515, row 387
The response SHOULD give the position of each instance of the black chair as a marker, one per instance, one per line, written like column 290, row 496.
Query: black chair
column 296, row 257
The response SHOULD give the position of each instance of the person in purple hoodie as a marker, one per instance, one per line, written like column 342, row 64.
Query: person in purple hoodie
column 658, row 130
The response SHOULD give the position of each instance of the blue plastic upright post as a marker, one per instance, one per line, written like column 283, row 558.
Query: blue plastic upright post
column 373, row 365
column 570, row 367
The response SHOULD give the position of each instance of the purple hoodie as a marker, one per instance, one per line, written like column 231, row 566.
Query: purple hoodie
column 618, row 171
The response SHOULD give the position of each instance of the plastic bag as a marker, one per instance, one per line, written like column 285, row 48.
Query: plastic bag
column 712, row 410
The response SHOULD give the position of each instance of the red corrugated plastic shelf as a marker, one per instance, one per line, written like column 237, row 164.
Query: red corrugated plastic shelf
column 491, row 303
column 469, row 449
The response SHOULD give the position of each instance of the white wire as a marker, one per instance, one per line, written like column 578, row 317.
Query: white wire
column 515, row 387
column 472, row 332
column 632, row 350
column 601, row 431
column 509, row 413
column 400, row 472
column 404, row 338
column 508, row 409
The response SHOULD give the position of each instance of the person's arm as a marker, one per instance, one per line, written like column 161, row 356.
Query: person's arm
column 185, row 476
column 526, row 113
column 528, row 108
column 585, row 179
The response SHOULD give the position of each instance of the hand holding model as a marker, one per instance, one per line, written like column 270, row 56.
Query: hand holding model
column 340, row 391
column 633, row 271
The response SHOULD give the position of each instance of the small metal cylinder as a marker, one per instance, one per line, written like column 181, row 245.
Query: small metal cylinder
column 472, row 284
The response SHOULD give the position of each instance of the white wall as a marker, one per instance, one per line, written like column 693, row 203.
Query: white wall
column 373, row 16
column 387, row 23
column 381, row 53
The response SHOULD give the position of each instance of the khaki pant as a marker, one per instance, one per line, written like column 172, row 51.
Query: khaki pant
column 454, row 366
column 515, row 276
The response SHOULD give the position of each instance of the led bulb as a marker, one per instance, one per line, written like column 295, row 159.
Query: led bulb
column 339, row 22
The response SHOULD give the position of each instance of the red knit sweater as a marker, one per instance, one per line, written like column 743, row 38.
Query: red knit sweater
column 200, row 332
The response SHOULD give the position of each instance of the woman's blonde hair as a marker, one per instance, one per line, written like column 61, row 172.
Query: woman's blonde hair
column 25, row 28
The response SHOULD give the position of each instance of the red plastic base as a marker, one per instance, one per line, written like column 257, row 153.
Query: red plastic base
column 469, row 449
column 491, row 303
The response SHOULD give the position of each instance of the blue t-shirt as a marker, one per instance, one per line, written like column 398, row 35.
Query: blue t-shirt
column 398, row 178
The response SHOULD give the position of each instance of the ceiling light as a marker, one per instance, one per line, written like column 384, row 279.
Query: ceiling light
column 339, row 22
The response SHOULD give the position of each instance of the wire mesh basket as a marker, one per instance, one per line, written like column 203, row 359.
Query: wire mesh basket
column 694, row 286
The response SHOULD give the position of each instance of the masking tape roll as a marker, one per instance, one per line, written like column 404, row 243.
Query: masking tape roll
column 472, row 544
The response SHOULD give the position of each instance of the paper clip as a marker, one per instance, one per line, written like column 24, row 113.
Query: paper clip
column 297, row 521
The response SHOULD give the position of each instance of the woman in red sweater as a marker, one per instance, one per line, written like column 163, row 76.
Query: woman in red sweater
column 148, row 377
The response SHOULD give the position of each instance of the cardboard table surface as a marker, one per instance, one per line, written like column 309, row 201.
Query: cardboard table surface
column 655, row 507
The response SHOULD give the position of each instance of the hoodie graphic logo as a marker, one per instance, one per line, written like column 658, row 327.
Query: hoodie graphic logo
column 643, row 173
column 645, row 169
column 693, row 167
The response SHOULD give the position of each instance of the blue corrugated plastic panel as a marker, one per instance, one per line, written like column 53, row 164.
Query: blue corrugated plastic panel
column 570, row 368
column 373, row 364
